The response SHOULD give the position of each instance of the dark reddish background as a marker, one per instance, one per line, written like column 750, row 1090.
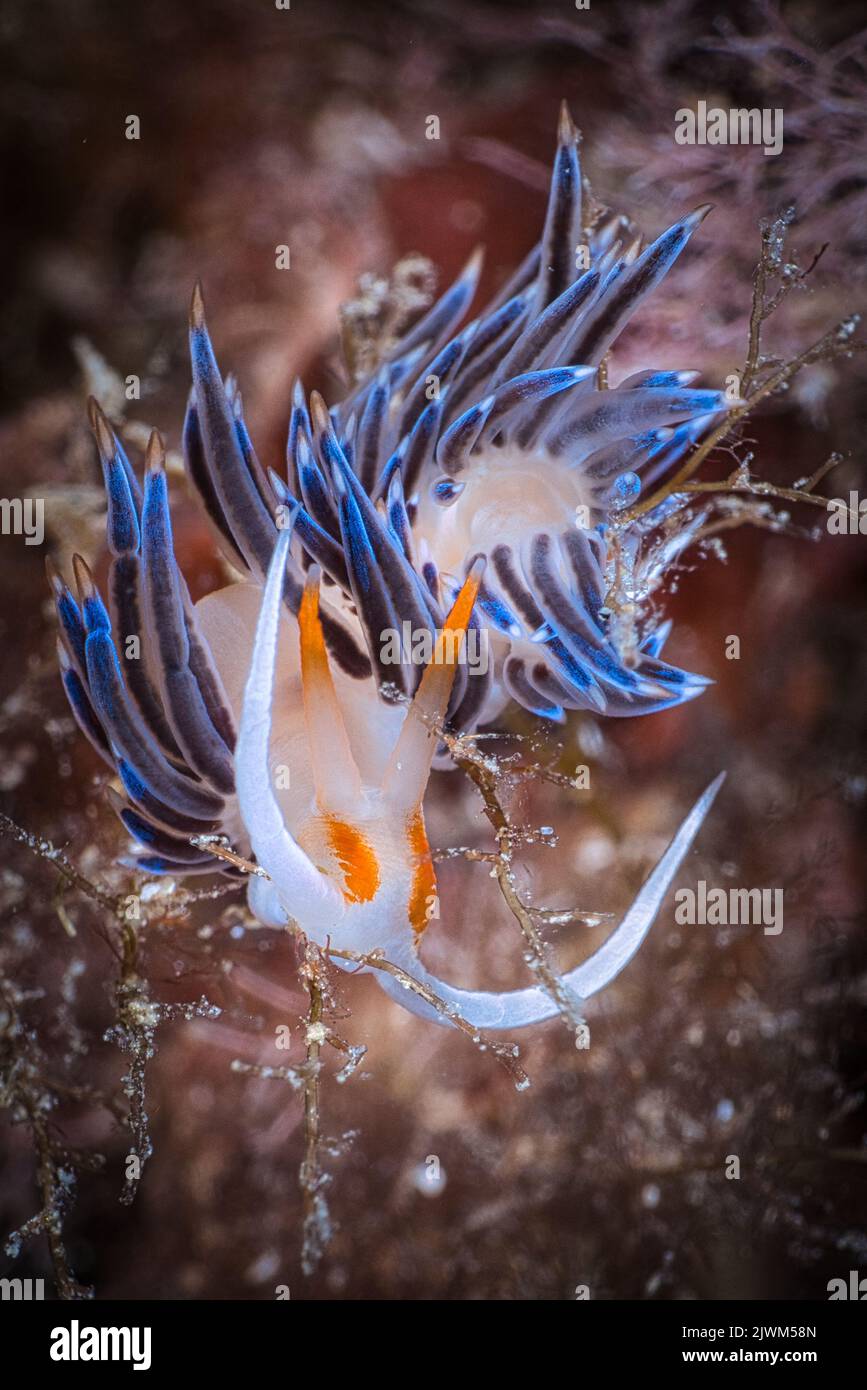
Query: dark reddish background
column 307, row 127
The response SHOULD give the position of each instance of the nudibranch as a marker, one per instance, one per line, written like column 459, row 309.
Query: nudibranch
column 469, row 486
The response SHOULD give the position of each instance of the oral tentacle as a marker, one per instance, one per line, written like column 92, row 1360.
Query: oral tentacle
column 335, row 773
column 306, row 894
column 520, row 1008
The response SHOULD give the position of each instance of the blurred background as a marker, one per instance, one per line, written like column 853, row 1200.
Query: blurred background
column 307, row 127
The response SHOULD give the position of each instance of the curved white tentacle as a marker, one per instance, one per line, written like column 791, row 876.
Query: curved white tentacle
column 521, row 1007
column 303, row 891
column 263, row 901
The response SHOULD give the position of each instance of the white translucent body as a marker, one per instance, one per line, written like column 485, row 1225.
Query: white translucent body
column 384, row 775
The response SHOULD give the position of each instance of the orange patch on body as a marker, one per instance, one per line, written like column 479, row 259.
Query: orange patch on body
column 356, row 858
column 422, row 896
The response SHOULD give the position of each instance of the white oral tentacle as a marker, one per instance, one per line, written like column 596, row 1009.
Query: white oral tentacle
column 305, row 893
column 521, row 1007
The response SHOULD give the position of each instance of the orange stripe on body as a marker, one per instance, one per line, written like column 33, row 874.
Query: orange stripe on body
column 422, row 896
column 360, row 865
